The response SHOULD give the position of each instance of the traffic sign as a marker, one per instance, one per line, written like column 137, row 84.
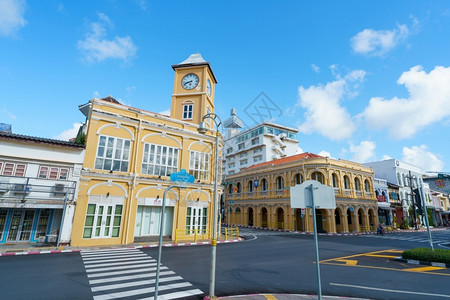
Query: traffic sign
column 301, row 196
column 182, row 176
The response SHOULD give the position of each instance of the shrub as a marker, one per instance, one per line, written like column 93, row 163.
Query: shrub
column 425, row 254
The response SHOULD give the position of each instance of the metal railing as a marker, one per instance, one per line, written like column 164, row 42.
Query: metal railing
column 191, row 235
column 231, row 232
column 43, row 191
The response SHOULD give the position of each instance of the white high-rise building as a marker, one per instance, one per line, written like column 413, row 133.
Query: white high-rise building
column 263, row 142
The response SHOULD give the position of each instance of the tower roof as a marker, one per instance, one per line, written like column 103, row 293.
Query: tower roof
column 195, row 60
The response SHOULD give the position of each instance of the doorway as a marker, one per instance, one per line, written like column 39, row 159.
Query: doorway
column 250, row 216
column 196, row 218
column 300, row 220
column 280, row 218
column 21, row 225
column 148, row 221
column 264, row 217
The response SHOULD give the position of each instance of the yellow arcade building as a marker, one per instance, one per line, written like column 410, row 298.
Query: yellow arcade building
column 260, row 195
column 130, row 154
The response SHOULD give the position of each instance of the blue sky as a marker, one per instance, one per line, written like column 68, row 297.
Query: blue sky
column 362, row 80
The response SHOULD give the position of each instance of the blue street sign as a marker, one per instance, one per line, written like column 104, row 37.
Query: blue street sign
column 182, row 176
column 231, row 201
column 256, row 182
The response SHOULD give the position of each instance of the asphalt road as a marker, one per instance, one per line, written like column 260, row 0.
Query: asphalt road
column 267, row 262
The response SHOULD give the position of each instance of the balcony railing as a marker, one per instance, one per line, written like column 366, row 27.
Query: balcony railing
column 30, row 190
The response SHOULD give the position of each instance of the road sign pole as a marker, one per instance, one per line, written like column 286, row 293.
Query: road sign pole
column 161, row 231
column 319, row 285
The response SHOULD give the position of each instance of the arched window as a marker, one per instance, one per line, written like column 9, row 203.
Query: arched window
column 230, row 188
column 250, row 186
column 238, row 210
column 318, row 176
column 405, row 179
column 357, row 184
column 238, row 185
column 264, row 184
column 298, row 178
column 367, row 185
column 335, row 180
column 346, row 182
column 280, row 183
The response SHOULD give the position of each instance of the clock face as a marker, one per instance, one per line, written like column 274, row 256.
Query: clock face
column 208, row 87
column 189, row 81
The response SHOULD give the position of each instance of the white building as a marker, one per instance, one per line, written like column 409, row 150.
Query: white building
column 384, row 209
column 397, row 172
column 263, row 142
column 38, row 181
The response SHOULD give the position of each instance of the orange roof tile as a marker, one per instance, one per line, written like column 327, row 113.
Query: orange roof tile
column 285, row 160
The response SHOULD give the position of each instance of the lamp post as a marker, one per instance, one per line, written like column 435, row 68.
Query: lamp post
column 202, row 129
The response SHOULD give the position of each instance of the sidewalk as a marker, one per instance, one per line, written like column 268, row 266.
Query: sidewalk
column 34, row 248
column 281, row 297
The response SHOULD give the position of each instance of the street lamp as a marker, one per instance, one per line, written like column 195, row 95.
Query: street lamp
column 202, row 130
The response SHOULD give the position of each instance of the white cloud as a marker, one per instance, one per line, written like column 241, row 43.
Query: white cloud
column 324, row 153
column 299, row 151
column 324, row 113
column 69, row 133
column 315, row 68
column 379, row 42
column 419, row 156
column 428, row 102
column 96, row 48
column 96, row 94
column 386, row 157
column 11, row 16
column 363, row 152
column 165, row 112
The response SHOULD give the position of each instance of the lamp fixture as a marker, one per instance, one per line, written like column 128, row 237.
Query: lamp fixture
column 202, row 128
column 110, row 171
column 157, row 197
column 107, row 194
column 198, row 199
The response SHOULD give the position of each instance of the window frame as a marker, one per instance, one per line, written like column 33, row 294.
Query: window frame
column 188, row 111
column 114, row 152
column 153, row 157
column 198, row 159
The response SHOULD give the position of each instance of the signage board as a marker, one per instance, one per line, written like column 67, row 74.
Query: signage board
column 182, row 176
column 324, row 196
column 256, row 183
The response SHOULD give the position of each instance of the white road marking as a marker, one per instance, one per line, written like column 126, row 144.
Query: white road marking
column 141, row 291
column 388, row 290
column 122, row 267
column 177, row 295
column 112, row 256
column 120, row 263
column 134, row 283
column 124, row 272
column 122, row 258
column 129, row 277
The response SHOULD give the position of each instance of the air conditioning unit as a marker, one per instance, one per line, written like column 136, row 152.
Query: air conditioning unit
column 4, row 186
column 21, row 188
column 59, row 190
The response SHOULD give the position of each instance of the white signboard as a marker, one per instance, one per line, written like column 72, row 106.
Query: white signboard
column 323, row 195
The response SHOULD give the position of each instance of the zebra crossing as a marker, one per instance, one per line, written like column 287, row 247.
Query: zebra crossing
column 131, row 274
column 422, row 238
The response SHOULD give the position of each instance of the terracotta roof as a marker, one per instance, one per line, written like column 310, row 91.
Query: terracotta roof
column 13, row 136
column 286, row 160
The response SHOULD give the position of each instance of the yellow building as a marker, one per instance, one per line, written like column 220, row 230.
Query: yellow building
column 130, row 154
column 260, row 195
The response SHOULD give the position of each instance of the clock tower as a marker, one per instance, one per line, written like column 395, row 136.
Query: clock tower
column 193, row 90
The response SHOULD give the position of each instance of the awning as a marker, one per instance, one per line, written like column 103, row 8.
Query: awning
column 386, row 208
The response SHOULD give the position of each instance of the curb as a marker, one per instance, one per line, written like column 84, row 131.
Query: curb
column 331, row 234
column 421, row 262
column 33, row 252
column 289, row 296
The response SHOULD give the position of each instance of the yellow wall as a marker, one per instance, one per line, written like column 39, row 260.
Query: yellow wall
column 140, row 127
column 273, row 199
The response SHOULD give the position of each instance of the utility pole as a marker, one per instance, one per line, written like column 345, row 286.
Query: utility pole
column 410, row 179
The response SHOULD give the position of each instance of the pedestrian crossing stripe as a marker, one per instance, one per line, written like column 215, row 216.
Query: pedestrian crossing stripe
column 123, row 273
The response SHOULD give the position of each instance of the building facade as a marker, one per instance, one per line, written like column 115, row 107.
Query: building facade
column 260, row 195
column 261, row 143
column 384, row 207
column 130, row 154
column 38, row 188
column 406, row 176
